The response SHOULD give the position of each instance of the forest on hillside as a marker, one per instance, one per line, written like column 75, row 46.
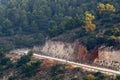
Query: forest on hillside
column 25, row 23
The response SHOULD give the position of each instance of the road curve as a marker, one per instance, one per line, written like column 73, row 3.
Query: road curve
column 95, row 69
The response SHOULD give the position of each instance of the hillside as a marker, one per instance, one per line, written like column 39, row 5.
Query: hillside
column 28, row 68
column 82, row 31
column 25, row 23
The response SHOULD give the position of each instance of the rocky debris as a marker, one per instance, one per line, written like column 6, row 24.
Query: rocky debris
column 109, row 64
column 108, row 57
column 20, row 51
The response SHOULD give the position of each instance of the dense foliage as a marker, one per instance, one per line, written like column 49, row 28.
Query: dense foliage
column 25, row 23
column 5, row 63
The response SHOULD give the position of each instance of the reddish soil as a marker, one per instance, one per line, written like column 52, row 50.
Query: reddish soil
column 83, row 54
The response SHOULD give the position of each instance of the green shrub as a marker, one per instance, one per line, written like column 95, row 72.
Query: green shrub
column 30, row 68
column 117, row 77
column 58, row 69
column 11, row 78
column 23, row 60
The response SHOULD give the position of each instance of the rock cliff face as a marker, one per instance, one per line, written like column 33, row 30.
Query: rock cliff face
column 59, row 49
column 108, row 58
column 70, row 51
column 109, row 54
column 84, row 55
column 79, row 53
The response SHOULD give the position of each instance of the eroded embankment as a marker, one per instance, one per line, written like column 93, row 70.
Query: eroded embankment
column 79, row 53
column 69, row 51
column 109, row 58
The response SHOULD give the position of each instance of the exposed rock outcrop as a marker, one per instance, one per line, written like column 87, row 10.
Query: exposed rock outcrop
column 104, row 56
column 86, row 56
column 108, row 57
column 109, row 54
column 69, row 51
column 59, row 49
